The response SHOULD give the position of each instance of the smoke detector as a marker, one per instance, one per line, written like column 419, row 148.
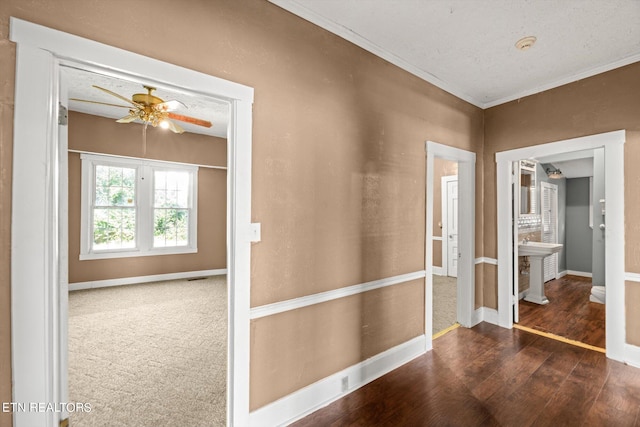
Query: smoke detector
column 525, row 42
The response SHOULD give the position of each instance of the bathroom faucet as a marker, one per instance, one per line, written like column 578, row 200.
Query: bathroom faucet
column 526, row 240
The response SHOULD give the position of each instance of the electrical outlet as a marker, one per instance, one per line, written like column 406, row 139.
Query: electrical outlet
column 345, row 383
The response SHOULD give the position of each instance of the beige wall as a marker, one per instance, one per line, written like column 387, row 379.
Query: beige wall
column 100, row 135
column 602, row 103
column 632, row 302
column 361, row 326
column 7, row 79
column 338, row 168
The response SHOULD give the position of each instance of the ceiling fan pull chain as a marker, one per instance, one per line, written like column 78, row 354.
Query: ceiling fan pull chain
column 144, row 138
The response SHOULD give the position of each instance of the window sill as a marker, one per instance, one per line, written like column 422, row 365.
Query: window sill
column 136, row 253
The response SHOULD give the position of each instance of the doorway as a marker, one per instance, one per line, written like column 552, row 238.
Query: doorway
column 445, row 245
column 39, row 212
column 557, row 300
column 127, row 323
column 465, row 268
column 612, row 143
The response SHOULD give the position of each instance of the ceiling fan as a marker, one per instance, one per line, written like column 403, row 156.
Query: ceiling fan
column 150, row 109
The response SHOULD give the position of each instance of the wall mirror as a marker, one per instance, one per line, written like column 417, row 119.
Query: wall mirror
column 527, row 187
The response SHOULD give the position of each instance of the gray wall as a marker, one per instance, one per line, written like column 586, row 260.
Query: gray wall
column 579, row 236
column 598, row 262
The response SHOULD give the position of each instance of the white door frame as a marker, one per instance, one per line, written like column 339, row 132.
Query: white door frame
column 38, row 223
column 445, row 221
column 466, row 237
column 613, row 144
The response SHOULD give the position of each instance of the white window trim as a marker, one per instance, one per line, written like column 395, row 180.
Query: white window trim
column 144, row 203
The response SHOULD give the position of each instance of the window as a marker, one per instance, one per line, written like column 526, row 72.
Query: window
column 135, row 207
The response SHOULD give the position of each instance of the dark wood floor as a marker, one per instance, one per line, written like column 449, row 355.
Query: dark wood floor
column 491, row 376
column 569, row 313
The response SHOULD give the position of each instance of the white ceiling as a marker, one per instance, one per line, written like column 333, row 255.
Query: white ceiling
column 202, row 107
column 468, row 47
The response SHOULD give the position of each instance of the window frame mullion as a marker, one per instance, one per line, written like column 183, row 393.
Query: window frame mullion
column 145, row 208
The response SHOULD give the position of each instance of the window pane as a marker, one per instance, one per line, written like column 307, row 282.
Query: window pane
column 114, row 228
column 128, row 177
column 171, row 227
column 102, row 196
column 171, row 189
column 115, row 186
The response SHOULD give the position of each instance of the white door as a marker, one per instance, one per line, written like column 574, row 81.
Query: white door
column 549, row 210
column 452, row 228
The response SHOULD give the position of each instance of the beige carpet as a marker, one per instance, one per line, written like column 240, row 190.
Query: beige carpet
column 444, row 302
column 150, row 355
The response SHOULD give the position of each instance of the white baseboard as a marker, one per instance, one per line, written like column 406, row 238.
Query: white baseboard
column 437, row 271
column 476, row 316
column 562, row 274
column 321, row 393
column 579, row 273
column 484, row 314
column 145, row 279
column 632, row 355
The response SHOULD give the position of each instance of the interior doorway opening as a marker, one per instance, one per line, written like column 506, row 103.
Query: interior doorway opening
column 140, row 327
column 613, row 145
column 442, row 161
column 445, row 244
column 554, row 199
column 39, row 216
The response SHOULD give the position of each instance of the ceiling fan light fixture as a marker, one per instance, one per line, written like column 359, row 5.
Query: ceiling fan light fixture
column 151, row 110
column 526, row 42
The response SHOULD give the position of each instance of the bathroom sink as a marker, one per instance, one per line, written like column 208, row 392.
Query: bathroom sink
column 538, row 249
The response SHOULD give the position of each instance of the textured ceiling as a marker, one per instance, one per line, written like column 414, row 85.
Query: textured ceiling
column 468, row 47
column 80, row 86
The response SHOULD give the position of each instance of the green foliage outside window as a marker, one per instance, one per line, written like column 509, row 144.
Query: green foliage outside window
column 171, row 216
column 115, row 209
column 171, row 227
column 114, row 218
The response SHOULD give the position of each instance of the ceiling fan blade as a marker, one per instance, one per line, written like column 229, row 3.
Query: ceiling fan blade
column 169, row 105
column 188, row 119
column 174, row 127
column 119, row 96
column 127, row 119
column 100, row 103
